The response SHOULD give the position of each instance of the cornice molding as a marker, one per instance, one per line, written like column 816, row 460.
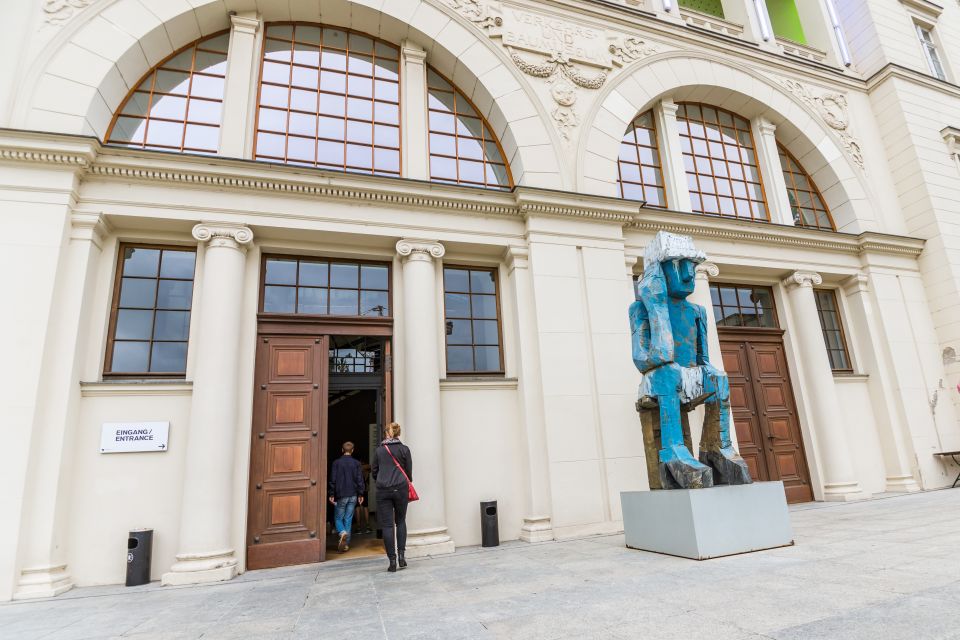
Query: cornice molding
column 892, row 70
column 135, row 388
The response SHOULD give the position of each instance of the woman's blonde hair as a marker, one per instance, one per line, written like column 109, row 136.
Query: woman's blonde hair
column 393, row 430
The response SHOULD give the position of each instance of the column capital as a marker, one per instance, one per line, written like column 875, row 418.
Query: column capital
column 707, row 270
column 412, row 52
column 807, row 279
column 89, row 225
column 669, row 107
column 630, row 261
column 857, row 283
column 517, row 257
column 425, row 250
column 765, row 127
column 223, row 234
column 247, row 22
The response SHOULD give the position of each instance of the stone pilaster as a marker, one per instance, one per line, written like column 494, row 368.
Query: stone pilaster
column 423, row 431
column 537, row 523
column 764, row 133
column 671, row 154
column 240, row 86
column 839, row 479
column 413, row 106
column 206, row 554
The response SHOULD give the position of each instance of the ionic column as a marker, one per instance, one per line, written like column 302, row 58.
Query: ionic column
column 701, row 296
column 839, row 479
column 873, row 356
column 674, row 173
column 768, row 157
column 413, row 107
column 537, row 524
column 423, row 431
column 240, row 86
column 206, row 554
column 42, row 552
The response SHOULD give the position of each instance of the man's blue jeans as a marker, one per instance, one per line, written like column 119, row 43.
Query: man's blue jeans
column 343, row 515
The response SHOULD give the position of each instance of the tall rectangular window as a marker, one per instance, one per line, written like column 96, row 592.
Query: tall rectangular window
column 930, row 51
column 472, row 314
column 150, row 318
column 833, row 337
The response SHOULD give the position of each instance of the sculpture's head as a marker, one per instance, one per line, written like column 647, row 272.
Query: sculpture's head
column 680, row 276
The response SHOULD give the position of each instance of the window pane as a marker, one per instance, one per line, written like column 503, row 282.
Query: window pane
column 281, row 272
column 174, row 294
column 138, row 292
column 130, row 357
column 177, row 264
column 459, row 359
column 457, row 305
column 374, row 303
column 140, row 262
column 487, row 358
column 314, row 274
column 311, row 300
column 343, row 302
column 484, row 306
column 482, row 282
column 134, row 324
column 373, row 277
column 456, row 280
column 169, row 357
column 279, row 299
column 458, row 332
column 486, row 332
column 639, row 144
column 172, row 325
column 344, row 275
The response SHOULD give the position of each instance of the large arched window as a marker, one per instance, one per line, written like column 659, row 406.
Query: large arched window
column 329, row 98
column 179, row 104
column 806, row 203
column 641, row 175
column 463, row 149
column 721, row 163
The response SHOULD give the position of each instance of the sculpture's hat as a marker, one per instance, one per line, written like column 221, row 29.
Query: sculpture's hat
column 670, row 246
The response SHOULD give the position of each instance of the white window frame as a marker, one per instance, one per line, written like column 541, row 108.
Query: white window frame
column 931, row 49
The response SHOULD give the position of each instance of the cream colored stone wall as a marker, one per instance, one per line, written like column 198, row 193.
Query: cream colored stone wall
column 557, row 440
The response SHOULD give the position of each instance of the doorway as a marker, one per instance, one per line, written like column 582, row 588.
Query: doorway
column 761, row 393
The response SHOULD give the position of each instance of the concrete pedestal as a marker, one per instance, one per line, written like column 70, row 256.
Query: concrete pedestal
column 707, row 523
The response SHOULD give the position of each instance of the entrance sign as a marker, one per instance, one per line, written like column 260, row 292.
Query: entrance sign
column 127, row 437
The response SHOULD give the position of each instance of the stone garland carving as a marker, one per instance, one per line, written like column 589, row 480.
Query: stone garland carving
column 476, row 12
column 629, row 49
column 58, row 12
column 832, row 108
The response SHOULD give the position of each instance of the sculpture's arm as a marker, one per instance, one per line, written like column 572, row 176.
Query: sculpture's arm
column 650, row 349
column 703, row 336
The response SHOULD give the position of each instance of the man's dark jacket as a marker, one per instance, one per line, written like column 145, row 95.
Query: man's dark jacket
column 346, row 478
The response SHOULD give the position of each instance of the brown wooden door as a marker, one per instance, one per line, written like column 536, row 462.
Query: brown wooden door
column 286, row 517
column 764, row 411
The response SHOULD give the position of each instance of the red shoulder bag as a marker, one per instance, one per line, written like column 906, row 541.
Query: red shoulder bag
column 411, row 492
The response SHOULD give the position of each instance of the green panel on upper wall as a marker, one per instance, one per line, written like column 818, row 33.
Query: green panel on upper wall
column 786, row 20
column 713, row 7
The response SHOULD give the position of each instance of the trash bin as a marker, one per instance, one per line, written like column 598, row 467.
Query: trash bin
column 489, row 524
column 139, row 552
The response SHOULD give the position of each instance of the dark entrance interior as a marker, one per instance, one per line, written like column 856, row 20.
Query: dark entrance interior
column 355, row 414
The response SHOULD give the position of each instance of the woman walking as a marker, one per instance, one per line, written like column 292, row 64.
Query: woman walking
column 392, row 470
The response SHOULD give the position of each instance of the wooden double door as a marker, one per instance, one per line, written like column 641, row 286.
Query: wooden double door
column 764, row 409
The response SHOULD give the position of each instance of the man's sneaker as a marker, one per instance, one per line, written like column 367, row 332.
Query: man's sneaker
column 342, row 546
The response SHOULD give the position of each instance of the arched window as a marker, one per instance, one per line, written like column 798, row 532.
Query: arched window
column 463, row 149
column 806, row 203
column 721, row 162
column 641, row 176
column 179, row 103
column 329, row 98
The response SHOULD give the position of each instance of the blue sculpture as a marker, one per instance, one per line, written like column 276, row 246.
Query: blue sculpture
column 670, row 349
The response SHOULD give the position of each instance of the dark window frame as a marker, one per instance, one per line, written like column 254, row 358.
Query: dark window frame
column 496, row 285
column 845, row 350
column 816, row 197
column 108, row 371
column 658, row 167
column 329, row 260
column 716, row 286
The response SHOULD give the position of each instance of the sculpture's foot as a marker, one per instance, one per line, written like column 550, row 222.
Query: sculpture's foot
column 728, row 466
column 685, row 474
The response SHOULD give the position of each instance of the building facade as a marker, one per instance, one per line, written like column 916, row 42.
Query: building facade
column 268, row 226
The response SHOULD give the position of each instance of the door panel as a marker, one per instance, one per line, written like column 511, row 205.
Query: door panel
column 287, row 480
column 764, row 409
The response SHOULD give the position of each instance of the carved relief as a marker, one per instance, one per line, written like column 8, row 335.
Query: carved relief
column 832, row 108
column 627, row 49
column 476, row 12
column 60, row 11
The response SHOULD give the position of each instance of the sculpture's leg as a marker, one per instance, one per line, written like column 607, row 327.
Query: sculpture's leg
column 677, row 464
column 716, row 449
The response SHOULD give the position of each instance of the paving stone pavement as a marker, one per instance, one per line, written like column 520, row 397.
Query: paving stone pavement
column 883, row 569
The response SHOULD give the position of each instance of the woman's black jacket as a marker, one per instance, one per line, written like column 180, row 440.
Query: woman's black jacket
column 384, row 470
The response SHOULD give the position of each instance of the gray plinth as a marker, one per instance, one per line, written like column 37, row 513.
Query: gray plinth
column 707, row 523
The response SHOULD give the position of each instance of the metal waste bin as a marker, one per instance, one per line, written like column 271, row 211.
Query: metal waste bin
column 139, row 552
column 489, row 524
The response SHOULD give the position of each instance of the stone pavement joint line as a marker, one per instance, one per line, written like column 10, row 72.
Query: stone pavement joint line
column 879, row 570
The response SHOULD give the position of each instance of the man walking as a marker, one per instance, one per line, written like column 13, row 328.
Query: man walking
column 346, row 491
